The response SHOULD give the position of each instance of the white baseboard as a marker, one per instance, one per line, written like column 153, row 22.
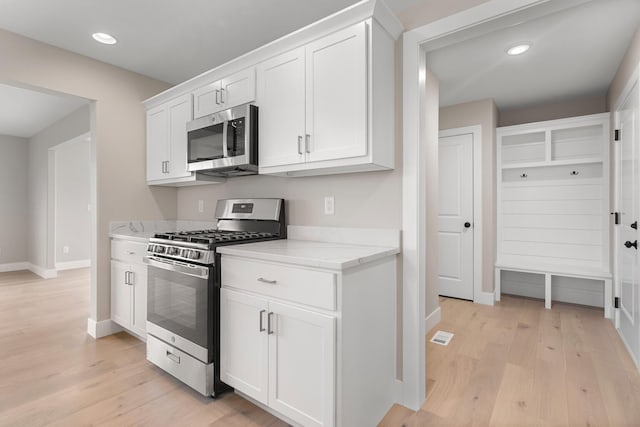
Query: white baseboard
column 14, row 266
column 432, row 320
column 485, row 298
column 70, row 265
column 45, row 273
column 102, row 328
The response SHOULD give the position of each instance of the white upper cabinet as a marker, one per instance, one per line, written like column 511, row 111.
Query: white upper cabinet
column 325, row 93
column 281, row 91
column 336, row 95
column 236, row 89
column 167, row 140
column 157, row 143
column 317, row 107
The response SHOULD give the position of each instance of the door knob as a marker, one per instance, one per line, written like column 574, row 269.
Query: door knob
column 628, row 244
column 467, row 224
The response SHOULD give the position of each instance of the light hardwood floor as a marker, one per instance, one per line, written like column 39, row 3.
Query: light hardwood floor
column 517, row 364
column 53, row 373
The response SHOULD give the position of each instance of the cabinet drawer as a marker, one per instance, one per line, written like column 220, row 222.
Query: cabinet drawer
column 310, row 287
column 179, row 364
column 128, row 251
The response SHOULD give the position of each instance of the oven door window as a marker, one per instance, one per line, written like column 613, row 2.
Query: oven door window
column 178, row 303
column 206, row 143
column 236, row 137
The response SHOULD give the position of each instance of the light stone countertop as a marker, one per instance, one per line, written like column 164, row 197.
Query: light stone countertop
column 330, row 255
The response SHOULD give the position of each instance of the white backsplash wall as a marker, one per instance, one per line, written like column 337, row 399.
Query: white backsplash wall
column 369, row 199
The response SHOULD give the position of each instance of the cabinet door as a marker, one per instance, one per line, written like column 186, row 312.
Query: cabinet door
column 138, row 278
column 336, row 99
column 180, row 112
column 120, row 294
column 243, row 343
column 157, row 142
column 238, row 88
column 206, row 100
column 280, row 97
column 302, row 357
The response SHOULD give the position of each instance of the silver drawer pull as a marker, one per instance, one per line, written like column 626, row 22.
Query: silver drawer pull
column 263, row 280
column 173, row 357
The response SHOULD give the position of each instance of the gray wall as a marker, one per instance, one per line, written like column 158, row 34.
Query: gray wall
column 72, row 198
column 118, row 132
column 75, row 124
column 13, row 199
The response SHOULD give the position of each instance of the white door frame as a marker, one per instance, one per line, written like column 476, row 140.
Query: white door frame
column 476, row 132
column 635, row 77
column 414, row 204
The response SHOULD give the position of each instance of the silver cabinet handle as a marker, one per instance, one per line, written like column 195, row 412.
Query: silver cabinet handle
column 173, row 357
column 263, row 280
column 269, row 317
column 163, row 169
column 299, row 143
column 217, row 93
column 262, row 329
column 167, row 166
column 307, row 143
column 126, row 277
column 132, row 278
column 222, row 95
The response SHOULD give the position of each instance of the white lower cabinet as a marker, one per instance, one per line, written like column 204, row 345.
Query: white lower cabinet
column 280, row 355
column 129, row 286
column 314, row 346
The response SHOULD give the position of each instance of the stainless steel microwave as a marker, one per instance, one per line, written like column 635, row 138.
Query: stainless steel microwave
column 224, row 143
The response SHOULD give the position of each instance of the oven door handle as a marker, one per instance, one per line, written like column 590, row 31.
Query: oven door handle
column 191, row 270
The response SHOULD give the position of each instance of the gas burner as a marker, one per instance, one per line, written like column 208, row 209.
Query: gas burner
column 237, row 223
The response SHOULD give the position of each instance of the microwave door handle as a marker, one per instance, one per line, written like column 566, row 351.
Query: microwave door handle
column 225, row 140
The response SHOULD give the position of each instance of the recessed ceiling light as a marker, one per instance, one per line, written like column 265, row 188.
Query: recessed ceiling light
column 104, row 38
column 518, row 49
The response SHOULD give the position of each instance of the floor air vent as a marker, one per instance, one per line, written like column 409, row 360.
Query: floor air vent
column 442, row 337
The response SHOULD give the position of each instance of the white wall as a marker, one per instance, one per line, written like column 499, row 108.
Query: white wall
column 72, row 198
column 40, row 230
column 13, row 200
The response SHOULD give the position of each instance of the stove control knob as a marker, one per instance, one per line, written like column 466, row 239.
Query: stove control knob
column 172, row 251
column 150, row 248
column 159, row 249
column 195, row 255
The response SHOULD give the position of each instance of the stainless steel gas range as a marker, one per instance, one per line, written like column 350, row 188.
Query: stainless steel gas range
column 183, row 295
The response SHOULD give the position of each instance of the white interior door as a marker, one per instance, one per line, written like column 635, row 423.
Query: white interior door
column 629, row 201
column 455, row 216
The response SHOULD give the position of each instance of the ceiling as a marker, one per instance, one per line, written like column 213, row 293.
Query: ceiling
column 574, row 53
column 25, row 112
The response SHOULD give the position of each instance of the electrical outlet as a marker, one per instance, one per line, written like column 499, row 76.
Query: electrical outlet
column 200, row 206
column 329, row 205
column 65, row 249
